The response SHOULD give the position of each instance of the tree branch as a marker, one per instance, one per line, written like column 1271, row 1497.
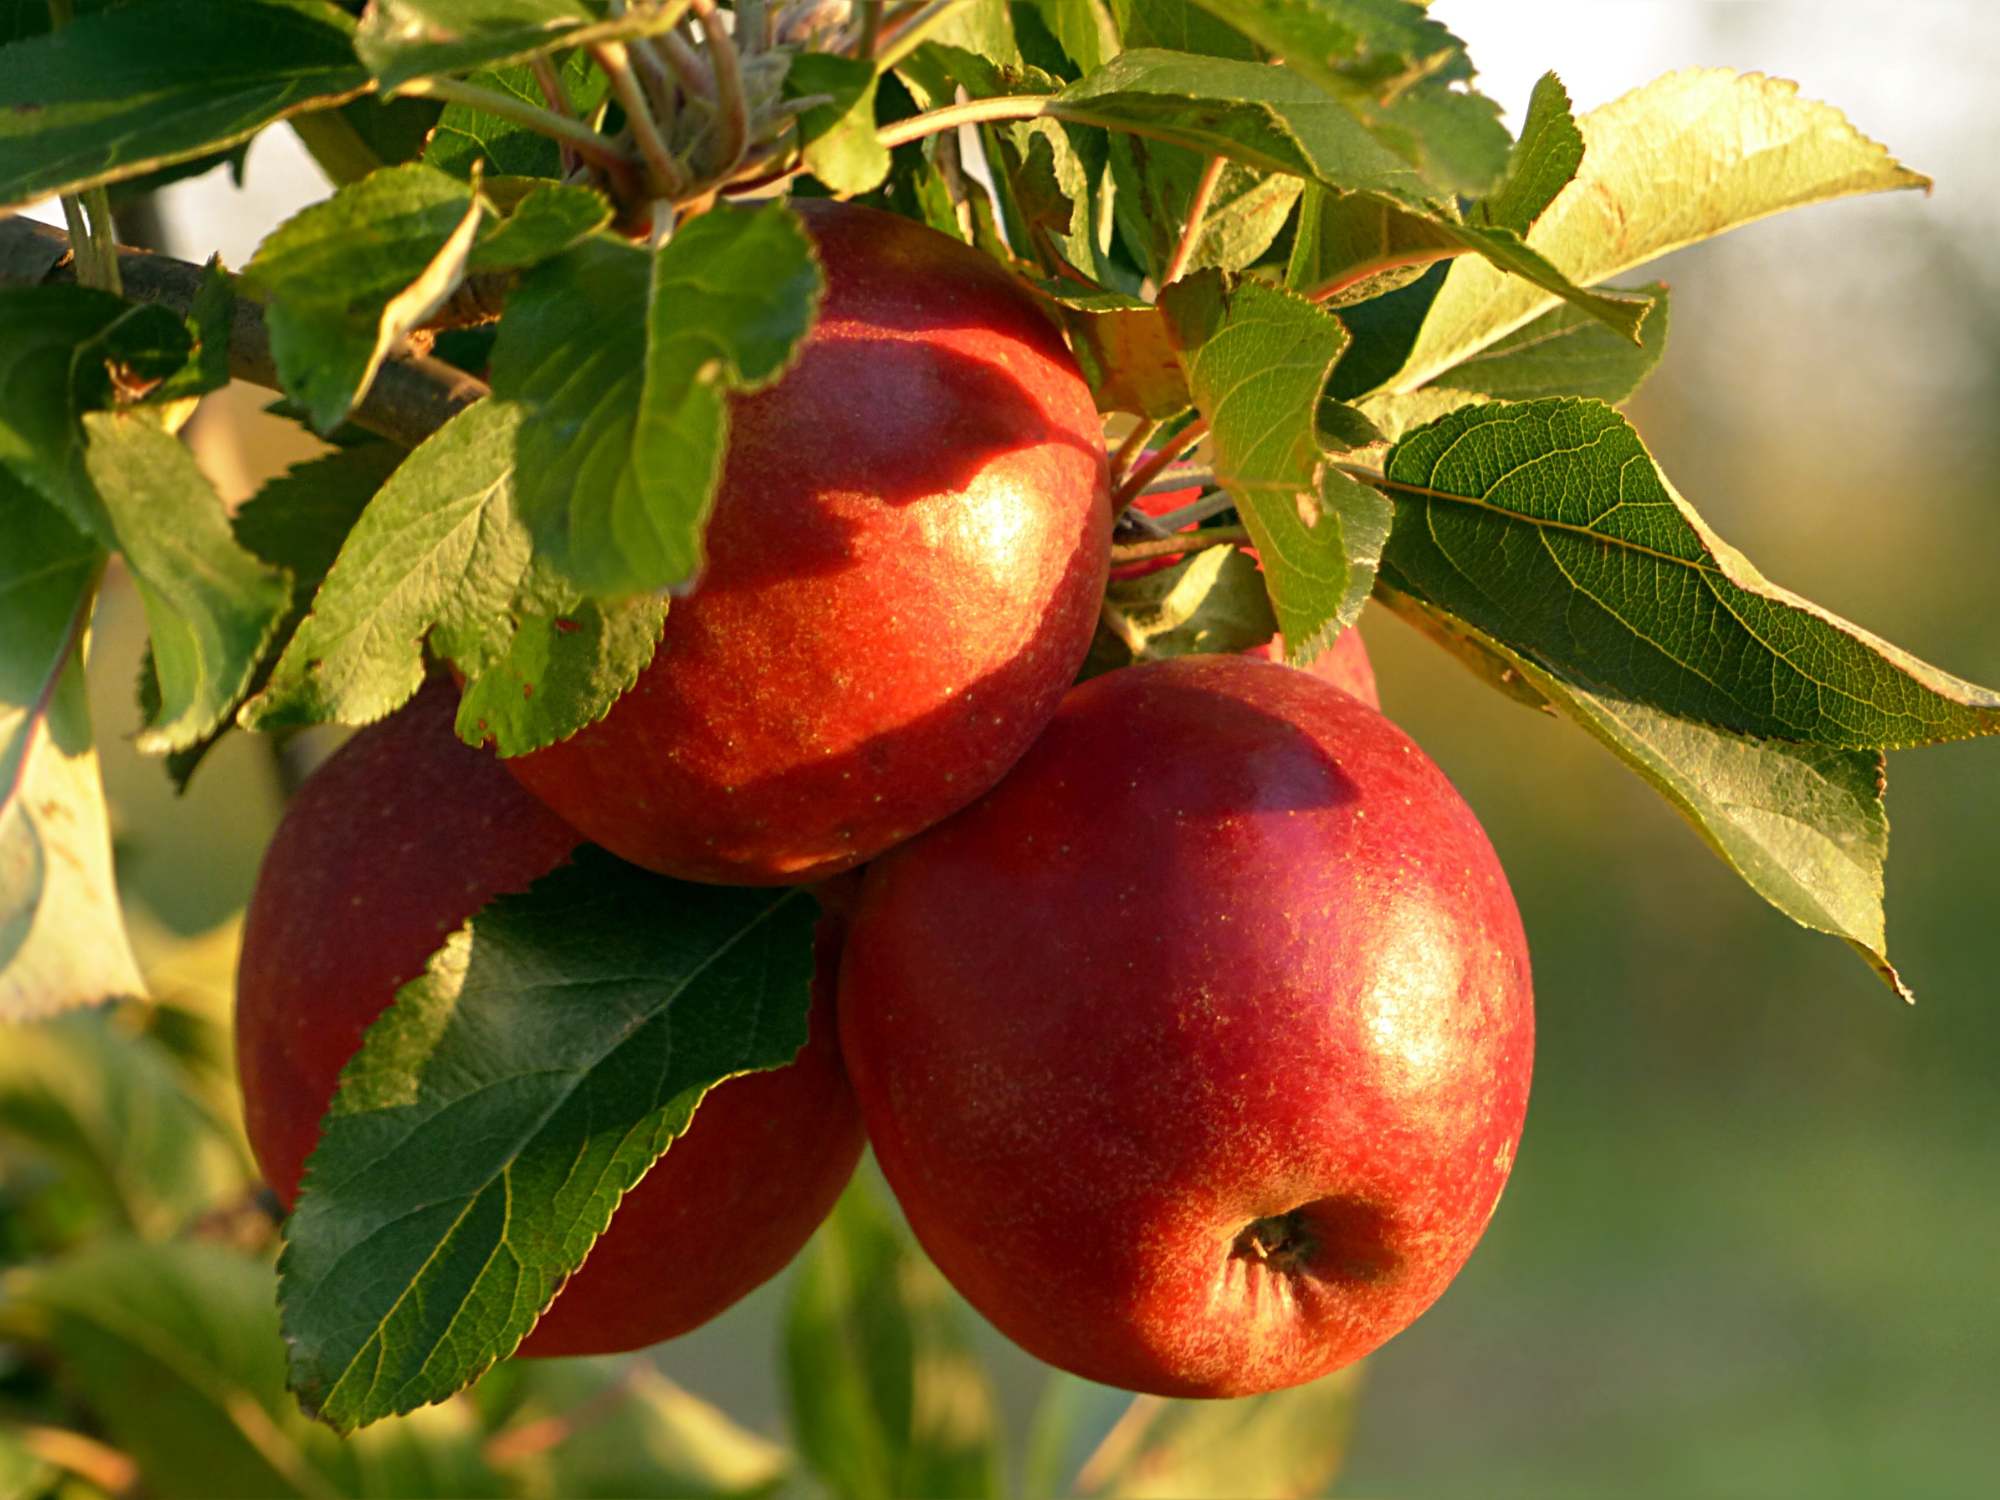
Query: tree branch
column 412, row 397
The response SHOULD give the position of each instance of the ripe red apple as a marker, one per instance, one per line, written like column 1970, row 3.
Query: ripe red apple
column 390, row 846
column 1197, row 1051
column 1345, row 663
column 905, row 564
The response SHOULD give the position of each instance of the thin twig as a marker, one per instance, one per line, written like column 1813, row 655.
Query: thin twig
column 871, row 23
column 1204, row 192
column 97, row 1464
column 973, row 112
column 557, row 97
column 1179, row 542
column 597, row 147
column 1358, row 274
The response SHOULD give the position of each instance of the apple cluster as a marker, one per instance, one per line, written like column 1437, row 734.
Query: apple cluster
column 1187, row 1011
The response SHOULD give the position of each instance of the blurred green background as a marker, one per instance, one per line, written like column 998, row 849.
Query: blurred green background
column 1752, row 1245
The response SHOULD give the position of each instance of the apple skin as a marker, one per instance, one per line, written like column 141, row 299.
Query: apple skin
column 1197, row 1052
column 1345, row 663
column 905, row 564
column 390, row 846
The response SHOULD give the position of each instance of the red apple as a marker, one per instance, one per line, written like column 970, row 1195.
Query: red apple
column 905, row 565
column 390, row 846
column 1197, row 1052
column 1345, row 663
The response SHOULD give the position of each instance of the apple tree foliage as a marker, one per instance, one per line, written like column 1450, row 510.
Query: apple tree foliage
column 1388, row 340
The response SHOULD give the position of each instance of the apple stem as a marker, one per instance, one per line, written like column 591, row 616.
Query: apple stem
column 1204, row 193
column 1175, row 545
column 1150, row 469
column 658, row 80
column 675, row 52
column 1280, row 1241
column 1127, row 450
column 665, row 176
column 732, row 110
column 1214, row 503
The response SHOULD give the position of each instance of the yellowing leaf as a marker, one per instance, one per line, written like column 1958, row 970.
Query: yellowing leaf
column 1686, row 157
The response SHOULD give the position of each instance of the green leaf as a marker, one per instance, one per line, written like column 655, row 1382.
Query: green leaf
column 1052, row 182
column 1542, row 163
column 296, row 522
column 24, row 1475
column 1401, row 74
column 1212, row 600
column 347, row 278
column 1682, row 159
column 1082, row 29
column 560, row 673
column 1282, row 1446
column 886, row 1397
column 365, row 135
column 1566, row 352
column 124, row 92
column 1355, row 243
column 127, row 483
column 502, row 1106
column 1547, row 526
column 1264, row 117
column 441, row 552
column 26, row 18
column 466, row 138
column 1156, row 185
column 212, row 607
column 175, row 1349
column 1804, row 825
column 628, row 1431
column 48, row 378
column 62, row 935
column 104, row 1104
column 1257, row 361
column 1180, row 26
column 839, row 138
column 623, row 361
column 402, row 40
column 299, row 520
column 1382, row 330
column 547, row 221
column 1355, row 247
column 207, row 359
column 1395, row 415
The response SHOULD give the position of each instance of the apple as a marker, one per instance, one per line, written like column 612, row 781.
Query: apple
column 395, row 842
column 1345, row 663
column 1197, row 1052
column 905, row 564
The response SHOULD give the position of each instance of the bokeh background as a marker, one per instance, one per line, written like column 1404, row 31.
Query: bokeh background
column 1752, row 1245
